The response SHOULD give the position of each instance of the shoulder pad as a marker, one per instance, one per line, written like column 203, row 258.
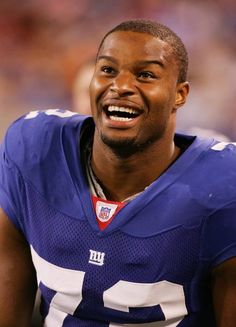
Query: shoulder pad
column 32, row 136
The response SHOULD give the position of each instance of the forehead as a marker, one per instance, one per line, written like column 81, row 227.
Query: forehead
column 133, row 46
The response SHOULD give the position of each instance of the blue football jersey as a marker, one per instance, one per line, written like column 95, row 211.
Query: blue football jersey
column 151, row 266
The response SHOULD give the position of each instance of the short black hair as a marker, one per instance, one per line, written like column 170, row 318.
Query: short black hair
column 160, row 31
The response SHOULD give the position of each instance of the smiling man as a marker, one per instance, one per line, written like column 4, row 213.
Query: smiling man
column 119, row 220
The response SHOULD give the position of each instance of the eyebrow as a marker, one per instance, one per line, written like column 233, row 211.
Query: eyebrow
column 107, row 58
column 151, row 62
column 140, row 62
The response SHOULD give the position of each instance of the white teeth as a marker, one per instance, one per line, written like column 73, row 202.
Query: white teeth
column 122, row 109
column 120, row 118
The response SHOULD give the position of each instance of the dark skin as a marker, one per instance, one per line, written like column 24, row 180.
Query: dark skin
column 121, row 80
column 143, row 78
column 17, row 277
column 223, row 291
column 139, row 72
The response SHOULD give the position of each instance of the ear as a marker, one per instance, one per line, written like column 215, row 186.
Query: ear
column 182, row 92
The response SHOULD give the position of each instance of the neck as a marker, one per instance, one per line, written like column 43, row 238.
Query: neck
column 122, row 177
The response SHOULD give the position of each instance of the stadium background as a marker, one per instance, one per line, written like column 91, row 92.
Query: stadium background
column 43, row 43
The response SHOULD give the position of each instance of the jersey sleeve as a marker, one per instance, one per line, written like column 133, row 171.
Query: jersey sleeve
column 11, row 187
column 29, row 155
column 219, row 235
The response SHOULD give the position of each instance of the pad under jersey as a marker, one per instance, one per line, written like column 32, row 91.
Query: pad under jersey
column 151, row 265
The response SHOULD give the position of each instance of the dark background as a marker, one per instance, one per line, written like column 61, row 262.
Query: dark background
column 43, row 43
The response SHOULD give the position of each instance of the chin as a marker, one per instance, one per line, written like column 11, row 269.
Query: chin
column 125, row 147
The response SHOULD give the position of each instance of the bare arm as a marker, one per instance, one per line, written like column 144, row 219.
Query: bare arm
column 17, row 277
column 224, row 293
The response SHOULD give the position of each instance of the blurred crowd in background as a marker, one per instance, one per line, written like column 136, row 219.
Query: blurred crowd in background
column 45, row 46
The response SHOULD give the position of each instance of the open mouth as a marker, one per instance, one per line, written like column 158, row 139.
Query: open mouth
column 121, row 113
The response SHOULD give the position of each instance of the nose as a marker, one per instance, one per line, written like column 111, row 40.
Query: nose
column 123, row 84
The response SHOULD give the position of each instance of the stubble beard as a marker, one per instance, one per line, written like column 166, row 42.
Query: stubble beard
column 125, row 148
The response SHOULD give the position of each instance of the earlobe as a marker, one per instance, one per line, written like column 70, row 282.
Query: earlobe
column 182, row 92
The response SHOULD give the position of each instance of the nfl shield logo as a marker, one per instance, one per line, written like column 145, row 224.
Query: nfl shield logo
column 105, row 210
column 104, row 213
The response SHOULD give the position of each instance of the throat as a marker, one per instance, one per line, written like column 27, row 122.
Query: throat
column 124, row 178
column 99, row 190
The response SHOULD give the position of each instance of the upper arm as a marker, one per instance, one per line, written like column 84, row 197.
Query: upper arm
column 219, row 251
column 224, row 293
column 17, row 276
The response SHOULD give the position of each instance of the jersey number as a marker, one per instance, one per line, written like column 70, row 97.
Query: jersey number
column 68, row 284
column 51, row 112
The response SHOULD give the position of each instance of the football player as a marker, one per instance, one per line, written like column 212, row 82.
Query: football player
column 119, row 220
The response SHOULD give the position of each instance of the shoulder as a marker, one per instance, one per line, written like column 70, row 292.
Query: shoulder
column 37, row 133
column 36, row 125
column 220, row 157
column 213, row 173
column 209, row 155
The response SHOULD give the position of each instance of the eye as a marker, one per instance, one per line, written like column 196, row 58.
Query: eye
column 146, row 75
column 107, row 70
